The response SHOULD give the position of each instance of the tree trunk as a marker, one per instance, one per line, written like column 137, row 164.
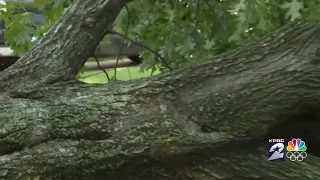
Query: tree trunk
column 210, row 121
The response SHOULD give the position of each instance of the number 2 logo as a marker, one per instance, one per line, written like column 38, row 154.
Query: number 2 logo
column 276, row 149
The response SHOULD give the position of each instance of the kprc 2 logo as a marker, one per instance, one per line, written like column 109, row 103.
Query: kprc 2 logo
column 276, row 150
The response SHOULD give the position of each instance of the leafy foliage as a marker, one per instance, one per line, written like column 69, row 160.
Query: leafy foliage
column 183, row 32
column 19, row 21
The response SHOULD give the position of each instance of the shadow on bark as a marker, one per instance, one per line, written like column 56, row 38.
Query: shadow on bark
column 304, row 125
column 216, row 161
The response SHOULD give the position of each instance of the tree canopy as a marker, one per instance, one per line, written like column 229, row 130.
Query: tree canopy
column 181, row 32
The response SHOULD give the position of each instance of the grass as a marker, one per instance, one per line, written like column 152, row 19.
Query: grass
column 123, row 74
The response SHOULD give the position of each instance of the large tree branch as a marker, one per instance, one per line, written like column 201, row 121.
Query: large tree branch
column 192, row 123
column 64, row 49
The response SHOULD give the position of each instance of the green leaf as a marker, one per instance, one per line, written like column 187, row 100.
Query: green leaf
column 294, row 9
column 186, row 47
column 209, row 44
column 238, row 7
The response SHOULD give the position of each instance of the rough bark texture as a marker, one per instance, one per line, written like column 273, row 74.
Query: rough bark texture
column 210, row 121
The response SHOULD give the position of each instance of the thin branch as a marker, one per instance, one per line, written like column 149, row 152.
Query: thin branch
column 143, row 46
column 105, row 72
column 122, row 43
column 210, row 7
column 197, row 9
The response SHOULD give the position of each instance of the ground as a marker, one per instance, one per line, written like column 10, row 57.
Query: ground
column 123, row 74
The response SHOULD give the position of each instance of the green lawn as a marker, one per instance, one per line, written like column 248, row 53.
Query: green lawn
column 122, row 74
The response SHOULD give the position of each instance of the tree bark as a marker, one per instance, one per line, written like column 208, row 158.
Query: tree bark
column 210, row 121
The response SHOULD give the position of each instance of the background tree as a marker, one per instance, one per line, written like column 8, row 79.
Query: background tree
column 185, row 37
column 192, row 123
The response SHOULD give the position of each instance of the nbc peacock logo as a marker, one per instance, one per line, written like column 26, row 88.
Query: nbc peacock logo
column 296, row 150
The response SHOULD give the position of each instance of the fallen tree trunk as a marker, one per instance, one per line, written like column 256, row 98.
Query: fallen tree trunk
column 210, row 121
